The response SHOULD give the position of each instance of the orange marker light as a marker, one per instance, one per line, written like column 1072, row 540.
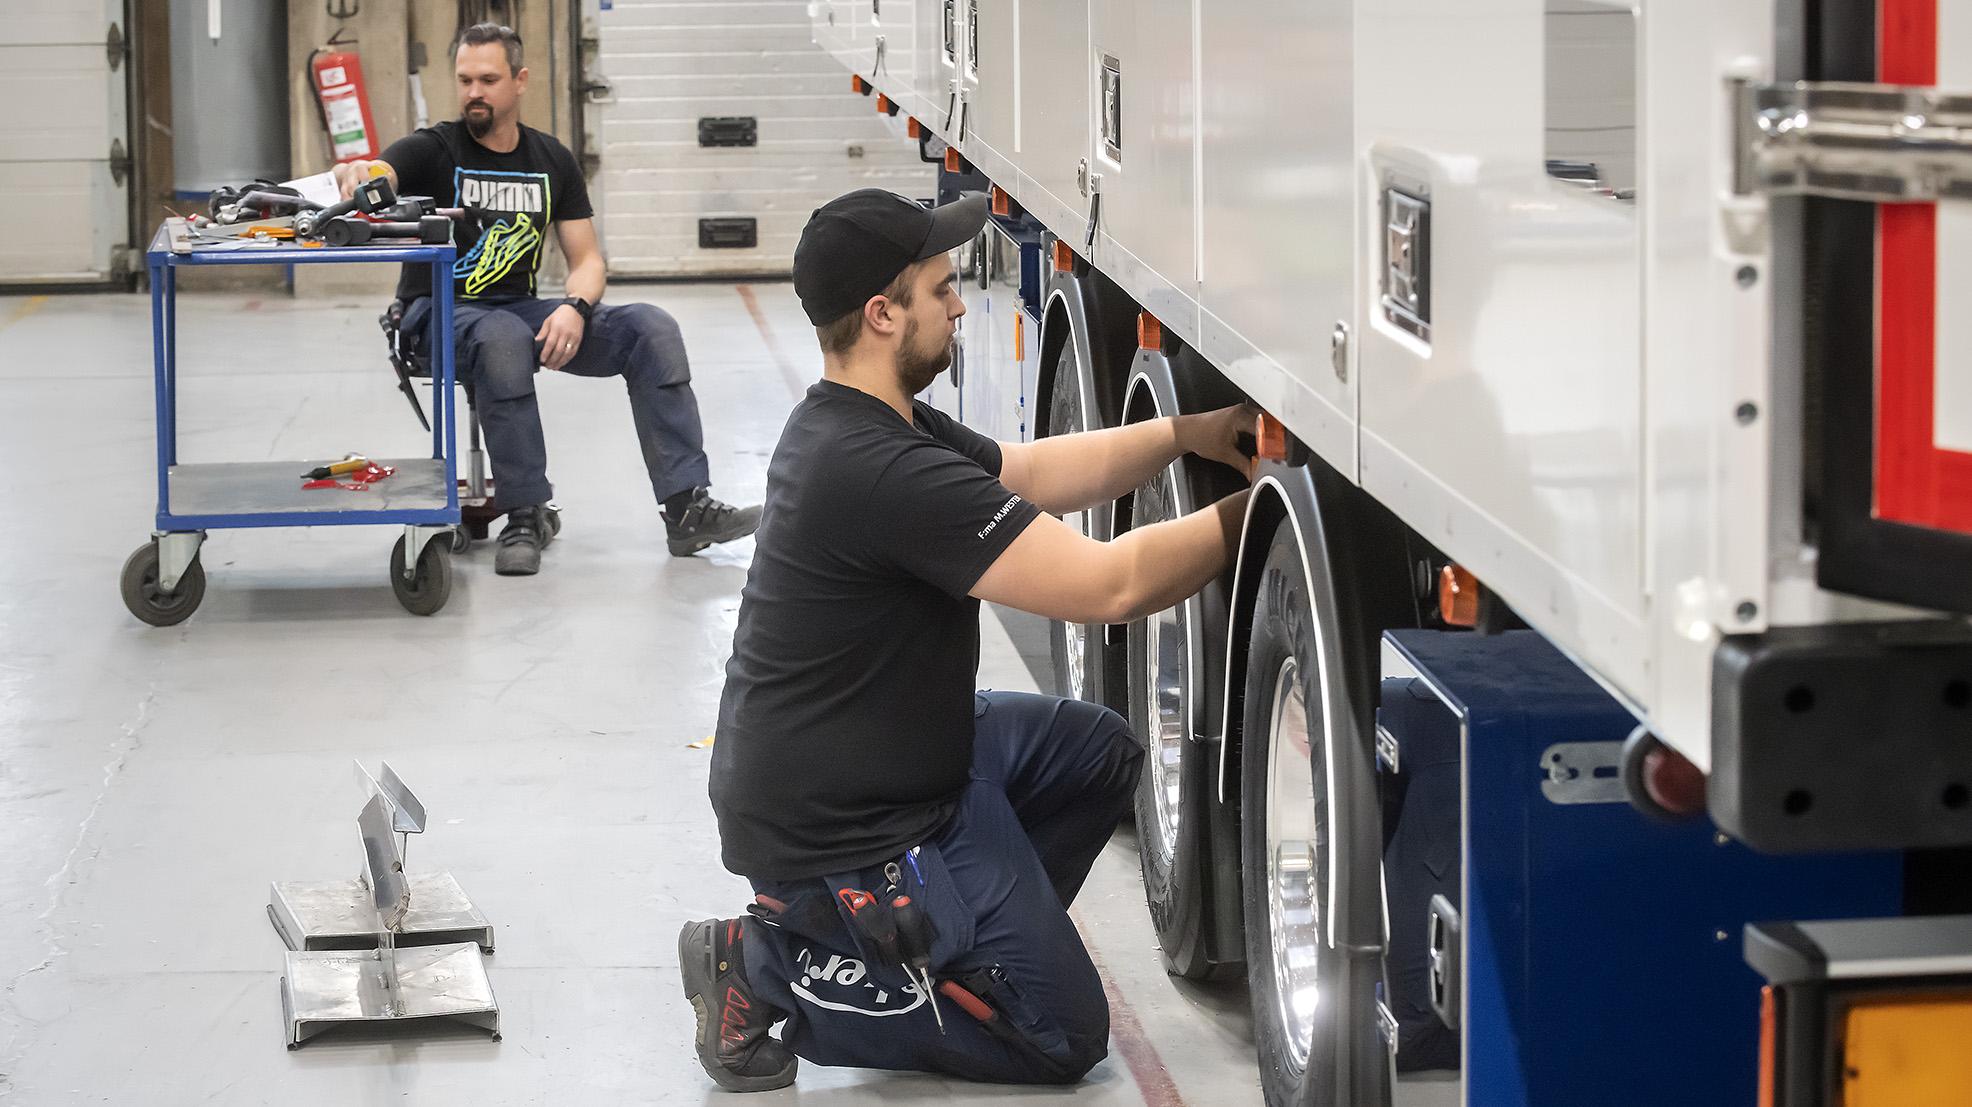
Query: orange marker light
column 1458, row 596
column 914, row 128
column 1150, row 336
column 1002, row 203
column 1019, row 337
column 883, row 103
column 1270, row 438
column 857, row 84
column 1064, row 257
column 952, row 161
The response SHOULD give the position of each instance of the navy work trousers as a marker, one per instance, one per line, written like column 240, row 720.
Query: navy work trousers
column 496, row 359
column 1050, row 780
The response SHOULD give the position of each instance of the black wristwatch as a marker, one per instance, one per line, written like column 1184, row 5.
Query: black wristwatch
column 582, row 307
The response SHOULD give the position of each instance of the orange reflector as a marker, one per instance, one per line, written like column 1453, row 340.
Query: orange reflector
column 952, row 161
column 857, row 84
column 1900, row 1051
column 1269, row 436
column 1458, row 596
column 1064, row 257
column 914, row 128
column 1767, row 1031
column 1019, row 337
column 1150, row 336
column 1002, row 203
column 882, row 103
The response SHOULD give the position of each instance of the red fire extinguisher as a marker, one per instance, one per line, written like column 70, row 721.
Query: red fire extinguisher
column 338, row 80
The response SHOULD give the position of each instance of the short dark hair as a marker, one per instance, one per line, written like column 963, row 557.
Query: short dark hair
column 840, row 335
column 479, row 34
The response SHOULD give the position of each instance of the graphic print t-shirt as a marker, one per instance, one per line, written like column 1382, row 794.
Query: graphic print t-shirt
column 510, row 198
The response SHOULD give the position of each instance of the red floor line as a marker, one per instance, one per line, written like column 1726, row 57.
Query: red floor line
column 1146, row 1067
column 795, row 384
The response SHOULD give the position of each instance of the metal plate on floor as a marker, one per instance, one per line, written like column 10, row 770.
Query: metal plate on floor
column 321, row 990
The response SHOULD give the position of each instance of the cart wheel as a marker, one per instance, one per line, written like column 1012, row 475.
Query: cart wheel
column 461, row 539
column 426, row 592
column 152, row 604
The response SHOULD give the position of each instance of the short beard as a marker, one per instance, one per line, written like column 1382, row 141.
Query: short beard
column 479, row 125
column 918, row 368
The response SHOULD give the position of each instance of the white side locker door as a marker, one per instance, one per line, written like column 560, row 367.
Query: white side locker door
column 672, row 206
column 64, row 158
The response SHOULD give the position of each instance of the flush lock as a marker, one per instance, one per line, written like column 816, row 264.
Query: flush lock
column 1407, row 261
column 1111, row 108
column 1443, row 951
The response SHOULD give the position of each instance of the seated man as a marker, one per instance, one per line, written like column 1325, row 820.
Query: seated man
column 856, row 768
column 516, row 182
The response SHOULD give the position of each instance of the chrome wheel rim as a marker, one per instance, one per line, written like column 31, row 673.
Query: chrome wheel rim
column 1075, row 636
column 1162, row 708
column 1296, row 864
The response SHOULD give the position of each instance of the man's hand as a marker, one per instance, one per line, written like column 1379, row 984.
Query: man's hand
column 350, row 174
column 559, row 337
column 1215, row 435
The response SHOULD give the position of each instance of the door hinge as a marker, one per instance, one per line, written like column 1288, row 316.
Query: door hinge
column 116, row 47
column 1851, row 141
column 119, row 161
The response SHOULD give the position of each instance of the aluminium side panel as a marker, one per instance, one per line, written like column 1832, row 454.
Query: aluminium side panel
column 1506, row 425
column 1144, row 148
column 1054, row 75
column 1277, row 245
column 989, row 79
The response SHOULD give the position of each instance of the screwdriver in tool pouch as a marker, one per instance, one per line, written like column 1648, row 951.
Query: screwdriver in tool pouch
column 914, row 937
column 876, row 921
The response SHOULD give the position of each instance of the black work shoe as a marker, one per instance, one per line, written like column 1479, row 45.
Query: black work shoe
column 527, row 533
column 734, row 1043
column 706, row 522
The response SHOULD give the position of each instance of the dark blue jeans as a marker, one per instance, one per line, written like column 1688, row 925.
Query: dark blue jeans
column 1050, row 779
column 496, row 359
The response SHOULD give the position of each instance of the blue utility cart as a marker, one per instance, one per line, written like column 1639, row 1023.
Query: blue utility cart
column 163, row 581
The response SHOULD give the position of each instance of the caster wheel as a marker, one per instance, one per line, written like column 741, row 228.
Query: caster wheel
column 430, row 586
column 149, row 602
column 461, row 539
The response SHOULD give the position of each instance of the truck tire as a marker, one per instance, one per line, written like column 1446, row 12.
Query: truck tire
column 1313, row 1010
column 1175, row 791
column 1080, row 661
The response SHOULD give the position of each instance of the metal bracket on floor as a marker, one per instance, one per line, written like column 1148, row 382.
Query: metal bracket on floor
column 415, row 540
column 176, row 550
column 385, row 985
column 337, row 914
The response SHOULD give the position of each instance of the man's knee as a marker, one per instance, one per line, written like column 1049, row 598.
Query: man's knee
column 498, row 354
column 656, row 343
column 1117, row 753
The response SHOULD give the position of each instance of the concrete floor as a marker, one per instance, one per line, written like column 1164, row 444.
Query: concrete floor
column 153, row 782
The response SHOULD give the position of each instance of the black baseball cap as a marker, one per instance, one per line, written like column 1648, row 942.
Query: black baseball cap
column 857, row 243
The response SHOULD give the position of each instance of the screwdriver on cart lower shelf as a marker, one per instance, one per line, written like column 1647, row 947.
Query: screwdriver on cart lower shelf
column 347, row 465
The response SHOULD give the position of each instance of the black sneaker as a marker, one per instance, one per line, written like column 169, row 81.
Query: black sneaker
column 706, row 522
column 734, row 1043
column 527, row 533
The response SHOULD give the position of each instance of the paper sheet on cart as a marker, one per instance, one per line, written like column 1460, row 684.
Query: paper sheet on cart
column 321, row 188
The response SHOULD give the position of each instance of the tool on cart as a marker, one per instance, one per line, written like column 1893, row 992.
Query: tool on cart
column 262, row 210
column 349, row 464
column 360, row 478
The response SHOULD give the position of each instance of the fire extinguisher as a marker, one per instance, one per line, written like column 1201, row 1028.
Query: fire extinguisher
column 338, row 80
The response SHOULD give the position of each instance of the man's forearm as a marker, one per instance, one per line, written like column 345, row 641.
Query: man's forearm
column 1077, row 471
column 587, row 279
column 1169, row 562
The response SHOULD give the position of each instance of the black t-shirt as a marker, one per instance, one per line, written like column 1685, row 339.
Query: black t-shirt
column 512, row 197
column 845, row 731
